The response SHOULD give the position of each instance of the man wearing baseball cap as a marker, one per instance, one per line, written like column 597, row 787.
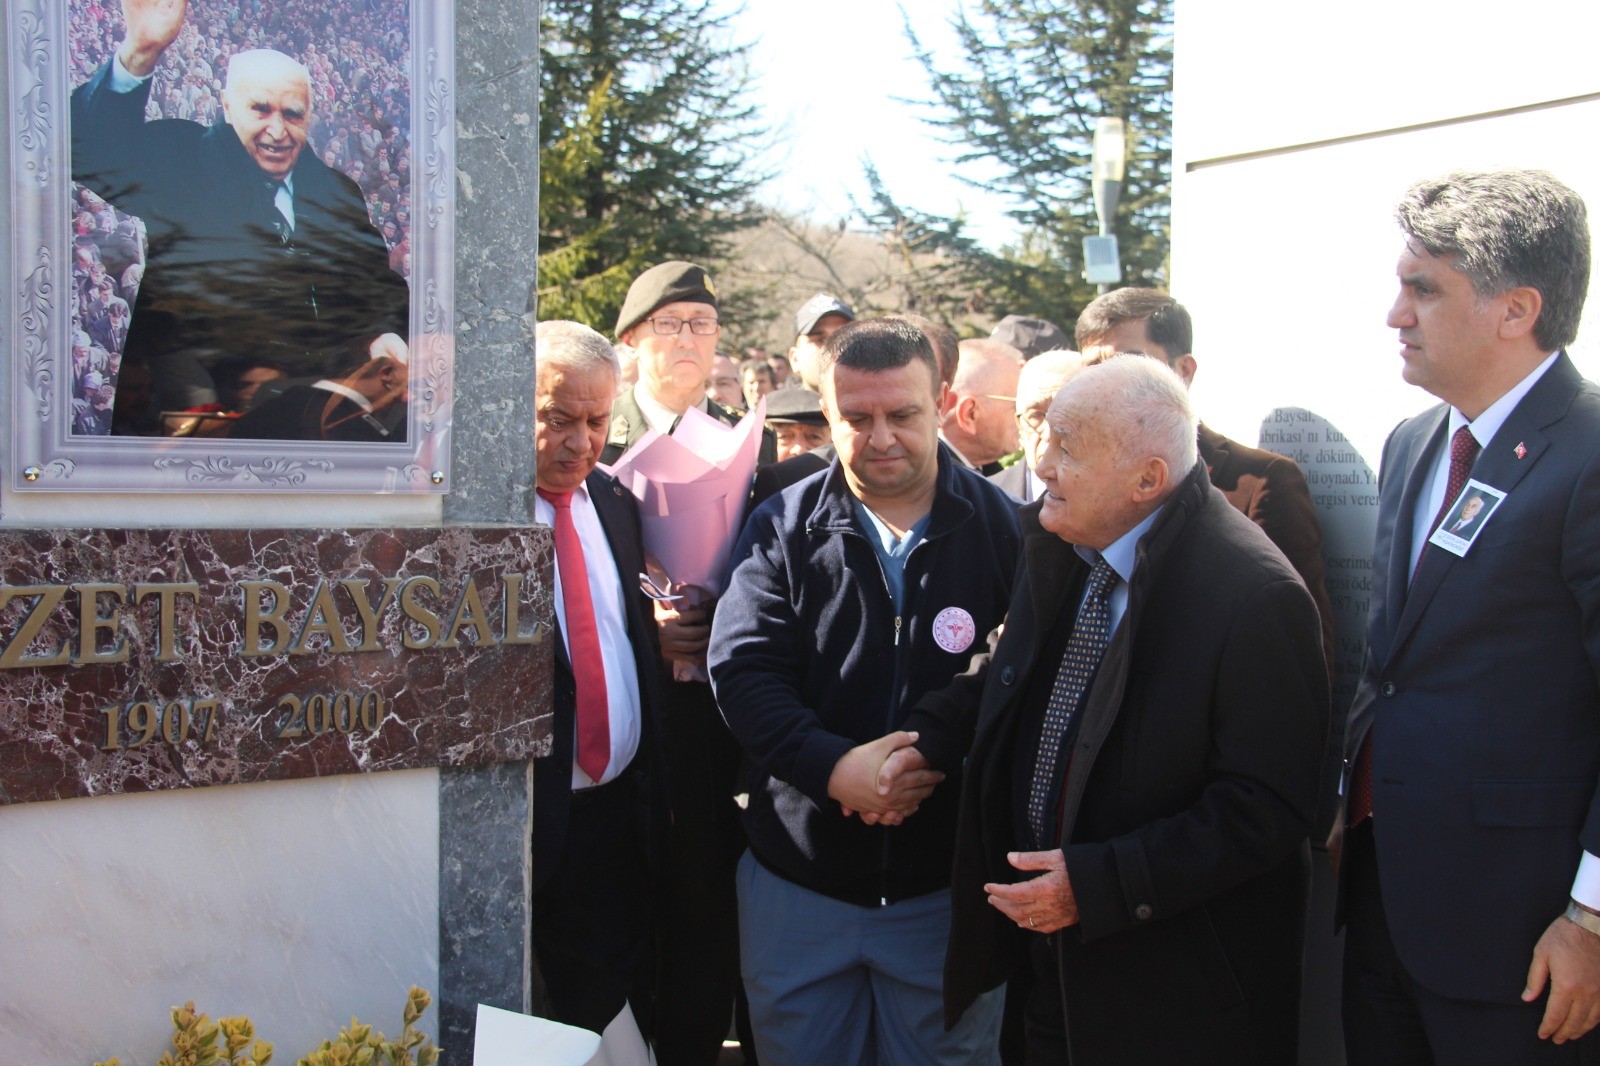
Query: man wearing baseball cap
column 669, row 319
column 814, row 323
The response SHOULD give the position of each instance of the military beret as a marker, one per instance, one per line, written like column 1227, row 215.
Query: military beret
column 664, row 283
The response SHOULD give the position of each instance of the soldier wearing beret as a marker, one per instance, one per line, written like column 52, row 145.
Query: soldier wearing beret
column 669, row 319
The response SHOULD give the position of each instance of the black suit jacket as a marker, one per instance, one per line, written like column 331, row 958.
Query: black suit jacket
column 1191, row 790
column 1480, row 691
column 775, row 477
column 1270, row 490
column 552, row 775
column 219, row 278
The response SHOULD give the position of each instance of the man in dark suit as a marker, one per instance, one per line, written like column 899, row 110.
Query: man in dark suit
column 669, row 318
column 1149, row 726
column 256, row 246
column 1471, row 883
column 598, row 804
column 1267, row 488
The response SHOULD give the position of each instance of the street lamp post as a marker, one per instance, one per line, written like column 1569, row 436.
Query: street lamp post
column 1102, row 264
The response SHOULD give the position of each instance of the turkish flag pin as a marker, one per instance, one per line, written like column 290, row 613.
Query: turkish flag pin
column 1521, row 449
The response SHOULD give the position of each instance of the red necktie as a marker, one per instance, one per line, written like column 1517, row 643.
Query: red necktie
column 1463, row 452
column 583, row 642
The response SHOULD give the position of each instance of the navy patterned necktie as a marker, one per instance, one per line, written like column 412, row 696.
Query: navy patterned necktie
column 1090, row 635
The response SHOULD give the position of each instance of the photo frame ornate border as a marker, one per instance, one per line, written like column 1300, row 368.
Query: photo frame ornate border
column 46, row 456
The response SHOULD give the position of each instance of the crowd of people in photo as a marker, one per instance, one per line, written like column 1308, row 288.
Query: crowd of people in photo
column 1017, row 733
column 357, row 57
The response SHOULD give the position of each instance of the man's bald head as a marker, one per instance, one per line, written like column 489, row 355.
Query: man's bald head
column 985, row 366
column 979, row 418
column 1122, row 438
column 267, row 101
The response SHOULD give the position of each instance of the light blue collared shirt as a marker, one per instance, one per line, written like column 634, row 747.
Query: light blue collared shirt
column 1121, row 554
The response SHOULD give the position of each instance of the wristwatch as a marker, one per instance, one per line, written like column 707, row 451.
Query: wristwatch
column 1578, row 915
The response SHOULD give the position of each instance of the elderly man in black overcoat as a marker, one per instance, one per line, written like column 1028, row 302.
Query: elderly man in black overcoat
column 1144, row 775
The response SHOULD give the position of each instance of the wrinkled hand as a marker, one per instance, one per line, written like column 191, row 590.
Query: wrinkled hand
column 1569, row 957
column 855, row 782
column 685, row 632
column 1043, row 904
column 152, row 25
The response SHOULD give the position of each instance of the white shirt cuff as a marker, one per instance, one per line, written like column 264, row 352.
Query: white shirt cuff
column 1586, row 886
column 121, row 81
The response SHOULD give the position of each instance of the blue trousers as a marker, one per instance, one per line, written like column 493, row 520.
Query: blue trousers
column 838, row 984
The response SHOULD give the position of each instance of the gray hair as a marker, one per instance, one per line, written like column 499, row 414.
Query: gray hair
column 1141, row 405
column 571, row 347
column 1045, row 373
column 1505, row 229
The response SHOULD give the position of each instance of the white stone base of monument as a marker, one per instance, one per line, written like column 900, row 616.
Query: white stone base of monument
column 297, row 903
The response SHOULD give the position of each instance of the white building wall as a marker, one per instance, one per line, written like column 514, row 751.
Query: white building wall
column 1297, row 128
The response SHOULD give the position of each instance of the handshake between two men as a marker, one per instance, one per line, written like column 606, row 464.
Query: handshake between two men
column 886, row 780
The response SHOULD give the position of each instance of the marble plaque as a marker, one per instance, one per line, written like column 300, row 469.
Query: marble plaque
column 134, row 660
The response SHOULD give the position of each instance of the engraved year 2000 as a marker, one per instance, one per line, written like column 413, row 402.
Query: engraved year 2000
column 344, row 712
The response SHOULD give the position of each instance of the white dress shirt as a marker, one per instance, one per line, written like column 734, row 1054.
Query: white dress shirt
column 616, row 650
column 1484, row 427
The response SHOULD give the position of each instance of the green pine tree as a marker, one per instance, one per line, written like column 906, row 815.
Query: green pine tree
column 647, row 146
column 1033, row 78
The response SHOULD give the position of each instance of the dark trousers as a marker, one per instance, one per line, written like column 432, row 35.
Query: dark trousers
column 698, row 972
column 1391, row 1020
column 591, row 918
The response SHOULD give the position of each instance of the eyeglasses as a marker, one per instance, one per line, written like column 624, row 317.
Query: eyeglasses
column 672, row 325
column 992, row 396
column 1033, row 421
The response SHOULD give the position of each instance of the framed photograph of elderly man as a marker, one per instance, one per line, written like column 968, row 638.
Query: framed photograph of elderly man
column 232, row 236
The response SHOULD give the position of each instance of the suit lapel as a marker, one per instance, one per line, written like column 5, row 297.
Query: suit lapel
column 606, row 493
column 1418, row 467
column 1053, row 571
column 1497, row 466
